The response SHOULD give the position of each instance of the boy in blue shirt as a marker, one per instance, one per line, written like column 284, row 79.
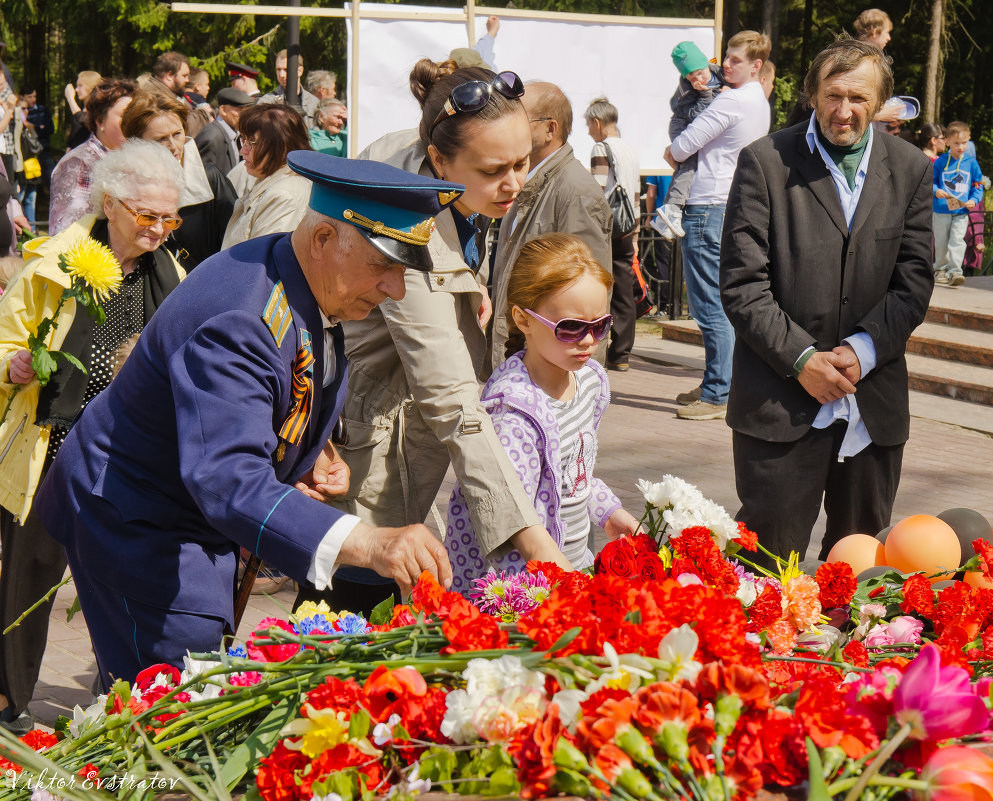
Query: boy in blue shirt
column 699, row 83
column 958, row 188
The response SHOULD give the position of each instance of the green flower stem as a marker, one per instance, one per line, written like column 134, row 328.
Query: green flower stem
column 880, row 781
column 874, row 767
column 48, row 594
column 827, row 662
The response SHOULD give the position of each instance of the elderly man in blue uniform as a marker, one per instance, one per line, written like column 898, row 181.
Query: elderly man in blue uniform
column 215, row 435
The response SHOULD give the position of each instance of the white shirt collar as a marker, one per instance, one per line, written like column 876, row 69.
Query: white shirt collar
column 231, row 132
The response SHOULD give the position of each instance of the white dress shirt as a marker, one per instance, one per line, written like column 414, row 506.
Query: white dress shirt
column 735, row 119
column 847, row 408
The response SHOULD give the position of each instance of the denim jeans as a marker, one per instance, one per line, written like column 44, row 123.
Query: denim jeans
column 701, row 264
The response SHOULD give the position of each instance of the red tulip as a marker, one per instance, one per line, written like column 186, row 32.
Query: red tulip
column 958, row 773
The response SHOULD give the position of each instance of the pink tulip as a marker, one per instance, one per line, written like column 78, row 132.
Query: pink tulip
column 938, row 702
column 958, row 773
column 906, row 629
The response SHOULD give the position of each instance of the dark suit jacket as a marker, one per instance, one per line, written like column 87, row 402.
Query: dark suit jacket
column 176, row 464
column 793, row 275
column 215, row 147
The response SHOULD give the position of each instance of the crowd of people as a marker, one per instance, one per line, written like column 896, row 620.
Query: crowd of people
column 310, row 343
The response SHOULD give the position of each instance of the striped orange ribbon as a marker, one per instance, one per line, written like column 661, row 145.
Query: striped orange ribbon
column 303, row 394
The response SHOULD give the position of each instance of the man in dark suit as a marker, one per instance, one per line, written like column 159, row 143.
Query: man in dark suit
column 825, row 272
column 218, row 142
column 215, row 435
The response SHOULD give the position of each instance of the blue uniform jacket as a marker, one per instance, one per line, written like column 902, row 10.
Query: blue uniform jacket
column 174, row 466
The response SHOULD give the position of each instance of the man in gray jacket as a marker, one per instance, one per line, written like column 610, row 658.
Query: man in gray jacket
column 560, row 195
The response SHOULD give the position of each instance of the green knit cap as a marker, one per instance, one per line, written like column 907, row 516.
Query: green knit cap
column 688, row 58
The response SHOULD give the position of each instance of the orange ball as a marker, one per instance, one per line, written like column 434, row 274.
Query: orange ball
column 977, row 579
column 860, row 551
column 923, row 543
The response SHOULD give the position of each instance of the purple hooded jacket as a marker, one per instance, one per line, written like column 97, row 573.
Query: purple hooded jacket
column 527, row 428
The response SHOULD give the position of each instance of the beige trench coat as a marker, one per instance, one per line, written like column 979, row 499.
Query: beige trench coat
column 413, row 398
column 273, row 205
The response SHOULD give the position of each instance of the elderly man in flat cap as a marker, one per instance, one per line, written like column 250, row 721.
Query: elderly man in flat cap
column 215, row 434
column 218, row 142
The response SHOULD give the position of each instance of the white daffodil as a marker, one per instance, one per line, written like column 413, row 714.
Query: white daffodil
column 677, row 651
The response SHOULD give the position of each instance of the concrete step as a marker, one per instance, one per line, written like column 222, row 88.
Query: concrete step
column 651, row 347
column 960, row 318
column 970, row 380
column 954, row 343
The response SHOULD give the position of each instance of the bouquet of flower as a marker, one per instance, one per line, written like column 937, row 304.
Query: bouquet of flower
column 94, row 273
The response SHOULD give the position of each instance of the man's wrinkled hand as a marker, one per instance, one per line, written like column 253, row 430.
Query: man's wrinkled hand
column 401, row 554
column 854, row 372
column 823, row 378
column 329, row 477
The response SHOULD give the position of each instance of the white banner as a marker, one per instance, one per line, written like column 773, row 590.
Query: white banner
column 629, row 64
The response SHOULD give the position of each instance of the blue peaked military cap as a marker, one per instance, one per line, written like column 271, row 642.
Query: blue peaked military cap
column 392, row 208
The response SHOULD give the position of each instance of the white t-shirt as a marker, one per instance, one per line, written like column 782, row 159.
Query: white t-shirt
column 578, row 450
column 735, row 119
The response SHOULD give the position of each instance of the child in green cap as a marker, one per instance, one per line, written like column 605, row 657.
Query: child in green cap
column 699, row 82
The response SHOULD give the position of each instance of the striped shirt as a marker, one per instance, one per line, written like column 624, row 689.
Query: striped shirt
column 578, row 448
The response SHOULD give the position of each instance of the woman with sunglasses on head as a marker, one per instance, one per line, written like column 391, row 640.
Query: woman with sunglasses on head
column 207, row 199
column 413, row 392
column 277, row 200
column 136, row 193
column 546, row 402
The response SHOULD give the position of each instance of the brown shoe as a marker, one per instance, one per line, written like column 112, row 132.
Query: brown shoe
column 270, row 585
column 621, row 367
column 686, row 398
column 701, row 410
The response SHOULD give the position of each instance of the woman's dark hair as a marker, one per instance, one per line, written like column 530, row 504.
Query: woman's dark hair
column 145, row 106
column 276, row 129
column 104, row 96
column 431, row 83
column 928, row 132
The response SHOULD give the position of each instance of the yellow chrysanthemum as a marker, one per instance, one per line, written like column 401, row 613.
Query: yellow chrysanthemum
column 95, row 265
column 310, row 609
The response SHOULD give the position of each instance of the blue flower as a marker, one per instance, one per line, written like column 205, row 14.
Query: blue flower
column 314, row 623
column 352, row 624
column 238, row 650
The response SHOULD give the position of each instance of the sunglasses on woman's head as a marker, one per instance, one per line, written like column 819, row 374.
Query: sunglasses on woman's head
column 146, row 220
column 571, row 330
column 472, row 96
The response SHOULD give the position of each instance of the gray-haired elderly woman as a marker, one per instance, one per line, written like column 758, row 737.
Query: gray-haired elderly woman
column 136, row 197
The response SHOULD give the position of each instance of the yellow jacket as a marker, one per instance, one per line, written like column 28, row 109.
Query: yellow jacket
column 31, row 296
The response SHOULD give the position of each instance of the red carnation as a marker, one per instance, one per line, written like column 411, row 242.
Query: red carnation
column 985, row 551
column 643, row 543
column 918, row 596
column 146, row 678
column 468, row 629
column 856, row 653
column 766, row 610
column 617, row 559
column 533, row 749
column 837, row 583
column 747, row 538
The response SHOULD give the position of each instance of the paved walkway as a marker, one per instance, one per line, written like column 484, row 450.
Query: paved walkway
column 945, row 466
